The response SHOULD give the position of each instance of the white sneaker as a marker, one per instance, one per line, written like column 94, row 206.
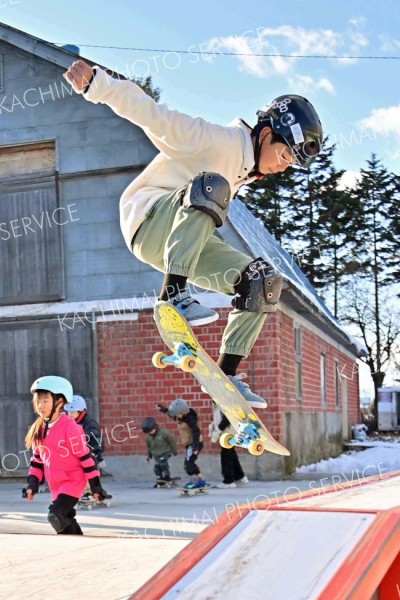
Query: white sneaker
column 194, row 312
column 243, row 481
column 251, row 398
column 226, row 485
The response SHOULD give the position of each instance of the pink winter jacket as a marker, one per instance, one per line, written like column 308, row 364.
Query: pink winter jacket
column 64, row 459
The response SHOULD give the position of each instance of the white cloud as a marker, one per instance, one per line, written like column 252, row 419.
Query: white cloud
column 383, row 120
column 303, row 84
column 358, row 21
column 285, row 45
column 388, row 44
column 349, row 179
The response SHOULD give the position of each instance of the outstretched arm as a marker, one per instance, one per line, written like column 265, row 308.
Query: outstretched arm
column 172, row 132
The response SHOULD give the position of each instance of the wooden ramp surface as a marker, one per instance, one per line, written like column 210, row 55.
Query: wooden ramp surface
column 289, row 555
column 340, row 542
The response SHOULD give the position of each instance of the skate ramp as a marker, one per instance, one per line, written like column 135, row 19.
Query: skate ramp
column 340, row 543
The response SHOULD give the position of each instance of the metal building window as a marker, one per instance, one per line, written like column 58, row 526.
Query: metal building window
column 298, row 362
column 31, row 254
column 1, row 72
column 337, row 382
column 322, row 369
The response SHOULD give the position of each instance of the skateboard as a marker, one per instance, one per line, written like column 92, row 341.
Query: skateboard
column 89, row 502
column 189, row 356
column 194, row 491
column 166, row 483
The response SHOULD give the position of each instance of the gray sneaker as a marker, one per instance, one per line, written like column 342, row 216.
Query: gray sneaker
column 194, row 312
column 251, row 398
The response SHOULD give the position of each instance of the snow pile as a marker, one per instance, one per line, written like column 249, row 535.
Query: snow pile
column 382, row 458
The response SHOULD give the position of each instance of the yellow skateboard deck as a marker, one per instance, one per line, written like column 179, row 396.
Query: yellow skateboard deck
column 188, row 355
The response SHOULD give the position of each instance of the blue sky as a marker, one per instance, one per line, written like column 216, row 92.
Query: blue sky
column 358, row 100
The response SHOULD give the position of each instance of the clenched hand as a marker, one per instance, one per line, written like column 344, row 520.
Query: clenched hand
column 78, row 75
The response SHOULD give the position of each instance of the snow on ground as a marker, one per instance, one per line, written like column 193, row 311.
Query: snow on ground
column 380, row 457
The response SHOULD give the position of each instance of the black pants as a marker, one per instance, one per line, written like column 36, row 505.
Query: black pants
column 190, row 460
column 63, row 506
column 230, row 465
column 161, row 466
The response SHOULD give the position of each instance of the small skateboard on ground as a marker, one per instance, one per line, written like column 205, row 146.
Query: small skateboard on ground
column 167, row 483
column 89, row 502
column 189, row 356
column 194, row 491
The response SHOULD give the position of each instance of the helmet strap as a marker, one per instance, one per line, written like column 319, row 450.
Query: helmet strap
column 257, row 149
column 49, row 418
column 80, row 416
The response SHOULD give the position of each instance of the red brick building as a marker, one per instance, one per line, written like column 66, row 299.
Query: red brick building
column 74, row 301
column 303, row 364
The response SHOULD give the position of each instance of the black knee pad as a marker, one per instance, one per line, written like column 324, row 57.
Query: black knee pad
column 259, row 286
column 210, row 193
column 58, row 520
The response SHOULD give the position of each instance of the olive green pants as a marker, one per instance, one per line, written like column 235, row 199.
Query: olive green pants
column 179, row 240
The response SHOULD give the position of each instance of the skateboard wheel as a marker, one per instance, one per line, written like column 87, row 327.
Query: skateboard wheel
column 256, row 448
column 187, row 363
column 156, row 360
column 224, row 440
column 90, row 507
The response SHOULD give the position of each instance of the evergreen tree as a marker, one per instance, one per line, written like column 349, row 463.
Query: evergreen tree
column 336, row 218
column 393, row 234
column 269, row 200
column 375, row 194
column 378, row 195
column 146, row 83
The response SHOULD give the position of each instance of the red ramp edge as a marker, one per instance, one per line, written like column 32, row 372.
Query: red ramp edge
column 378, row 548
column 176, row 568
column 368, row 564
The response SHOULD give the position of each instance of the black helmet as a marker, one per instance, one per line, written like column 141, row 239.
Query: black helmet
column 295, row 119
column 148, row 424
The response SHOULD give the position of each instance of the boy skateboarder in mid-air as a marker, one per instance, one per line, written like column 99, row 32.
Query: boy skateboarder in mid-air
column 169, row 213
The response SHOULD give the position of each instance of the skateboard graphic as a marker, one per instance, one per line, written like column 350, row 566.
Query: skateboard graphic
column 189, row 356
column 89, row 502
column 194, row 491
column 167, row 483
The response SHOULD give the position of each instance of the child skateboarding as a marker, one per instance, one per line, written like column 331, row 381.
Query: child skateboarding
column 188, row 425
column 161, row 445
column 60, row 455
column 77, row 410
column 169, row 213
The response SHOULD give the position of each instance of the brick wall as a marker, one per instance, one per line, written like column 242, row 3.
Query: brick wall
column 312, row 348
column 130, row 387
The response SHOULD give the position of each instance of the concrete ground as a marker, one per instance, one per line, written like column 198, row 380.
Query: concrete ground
column 123, row 546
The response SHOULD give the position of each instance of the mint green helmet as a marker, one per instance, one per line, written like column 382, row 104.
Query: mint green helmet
column 53, row 384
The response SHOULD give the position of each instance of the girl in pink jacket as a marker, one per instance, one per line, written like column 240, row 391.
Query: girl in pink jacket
column 60, row 454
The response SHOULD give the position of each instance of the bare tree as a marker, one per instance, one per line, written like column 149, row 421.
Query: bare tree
column 380, row 334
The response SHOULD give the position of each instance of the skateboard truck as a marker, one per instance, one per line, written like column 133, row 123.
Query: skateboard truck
column 247, row 437
column 184, row 357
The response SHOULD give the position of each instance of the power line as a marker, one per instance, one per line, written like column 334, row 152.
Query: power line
column 215, row 53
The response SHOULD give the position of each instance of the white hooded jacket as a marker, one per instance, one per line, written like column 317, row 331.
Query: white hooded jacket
column 188, row 145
